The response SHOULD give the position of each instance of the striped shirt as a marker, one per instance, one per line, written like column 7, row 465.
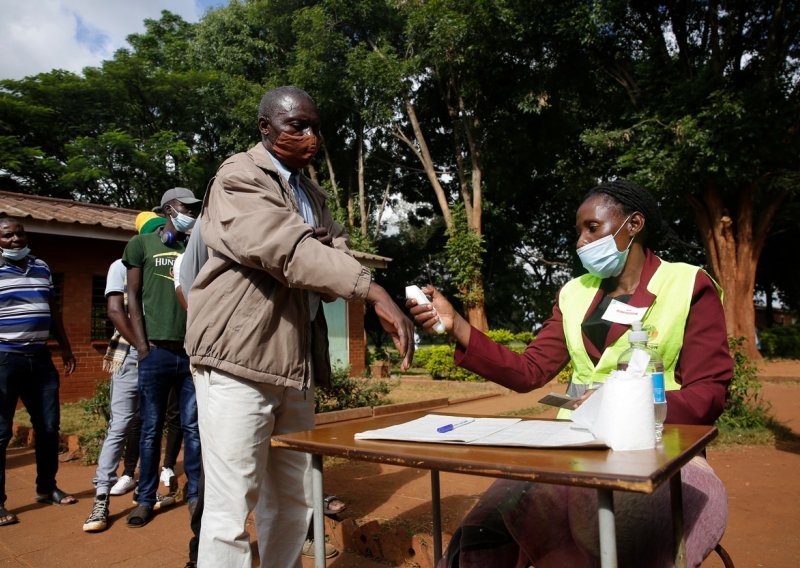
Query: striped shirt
column 25, row 305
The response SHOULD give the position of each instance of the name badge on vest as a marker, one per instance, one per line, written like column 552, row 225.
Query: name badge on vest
column 620, row 312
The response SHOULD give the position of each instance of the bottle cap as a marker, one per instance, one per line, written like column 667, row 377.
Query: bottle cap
column 637, row 334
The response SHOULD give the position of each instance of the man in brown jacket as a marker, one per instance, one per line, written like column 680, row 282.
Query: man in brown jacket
column 257, row 334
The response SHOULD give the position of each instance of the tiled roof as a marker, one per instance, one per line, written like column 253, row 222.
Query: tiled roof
column 66, row 211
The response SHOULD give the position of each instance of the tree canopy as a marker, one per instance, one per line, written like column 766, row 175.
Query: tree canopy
column 482, row 122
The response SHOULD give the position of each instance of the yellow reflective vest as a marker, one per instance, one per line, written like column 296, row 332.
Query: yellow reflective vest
column 672, row 285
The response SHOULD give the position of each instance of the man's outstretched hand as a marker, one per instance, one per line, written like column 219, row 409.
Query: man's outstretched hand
column 394, row 322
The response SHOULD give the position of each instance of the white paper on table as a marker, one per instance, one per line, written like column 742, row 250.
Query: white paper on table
column 487, row 432
column 425, row 429
column 541, row 434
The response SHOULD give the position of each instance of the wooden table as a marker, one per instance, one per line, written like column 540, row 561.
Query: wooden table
column 640, row 471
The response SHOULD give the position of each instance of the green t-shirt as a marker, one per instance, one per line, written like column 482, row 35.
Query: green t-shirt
column 164, row 317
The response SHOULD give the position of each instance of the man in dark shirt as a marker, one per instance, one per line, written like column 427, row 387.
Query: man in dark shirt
column 159, row 325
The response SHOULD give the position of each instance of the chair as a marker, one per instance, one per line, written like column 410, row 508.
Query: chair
column 724, row 556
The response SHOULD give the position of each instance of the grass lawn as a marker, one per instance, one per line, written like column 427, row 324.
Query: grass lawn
column 73, row 419
column 413, row 390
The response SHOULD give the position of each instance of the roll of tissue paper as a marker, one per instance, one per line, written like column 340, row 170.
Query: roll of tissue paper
column 625, row 420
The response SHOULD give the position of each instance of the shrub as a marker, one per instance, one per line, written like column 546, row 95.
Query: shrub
column 525, row 337
column 440, row 365
column 438, row 359
column 422, row 356
column 565, row 374
column 348, row 392
column 781, row 341
column 502, row 336
column 745, row 408
column 99, row 405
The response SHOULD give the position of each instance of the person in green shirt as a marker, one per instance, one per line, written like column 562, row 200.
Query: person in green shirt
column 159, row 325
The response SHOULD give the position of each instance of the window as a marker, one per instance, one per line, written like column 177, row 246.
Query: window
column 102, row 327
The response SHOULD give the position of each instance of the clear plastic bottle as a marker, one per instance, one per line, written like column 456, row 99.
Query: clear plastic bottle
column 638, row 340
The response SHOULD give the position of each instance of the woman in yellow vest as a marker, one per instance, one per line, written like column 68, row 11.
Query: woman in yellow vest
column 517, row 524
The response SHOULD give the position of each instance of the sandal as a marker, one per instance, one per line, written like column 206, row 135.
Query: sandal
column 56, row 497
column 333, row 505
column 7, row 517
column 140, row 516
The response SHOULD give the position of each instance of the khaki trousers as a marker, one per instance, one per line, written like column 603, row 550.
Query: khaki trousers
column 242, row 474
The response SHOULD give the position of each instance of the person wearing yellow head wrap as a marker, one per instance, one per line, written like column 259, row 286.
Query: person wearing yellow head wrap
column 147, row 222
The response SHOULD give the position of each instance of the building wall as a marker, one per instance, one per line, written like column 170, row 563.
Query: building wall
column 357, row 337
column 78, row 259
column 779, row 318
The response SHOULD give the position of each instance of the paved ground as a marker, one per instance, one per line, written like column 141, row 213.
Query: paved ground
column 393, row 501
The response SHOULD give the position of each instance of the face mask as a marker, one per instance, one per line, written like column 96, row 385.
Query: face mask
column 181, row 222
column 295, row 150
column 601, row 258
column 16, row 254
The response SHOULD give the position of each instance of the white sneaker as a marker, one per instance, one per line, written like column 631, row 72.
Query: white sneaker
column 123, row 485
column 167, row 477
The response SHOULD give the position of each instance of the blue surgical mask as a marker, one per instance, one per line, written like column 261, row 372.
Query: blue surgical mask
column 601, row 257
column 182, row 222
column 16, row 254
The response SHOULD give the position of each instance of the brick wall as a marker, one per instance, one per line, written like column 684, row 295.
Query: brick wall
column 357, row 337
column 78, row 259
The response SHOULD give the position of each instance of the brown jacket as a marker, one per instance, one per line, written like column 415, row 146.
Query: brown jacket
column 249, row 313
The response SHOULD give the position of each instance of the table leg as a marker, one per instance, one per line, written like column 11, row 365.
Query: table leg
column 436, row 505
column 678, row 530
column 608, row 530
column 319, row 516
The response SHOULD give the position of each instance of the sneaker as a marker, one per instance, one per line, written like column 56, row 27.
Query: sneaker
column 308, row 549
column 98, row 520
column 164, row 501
column 168, row 478
column 123, row 485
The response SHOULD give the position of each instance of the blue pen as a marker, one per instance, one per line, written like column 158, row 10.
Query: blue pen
column 448, row 427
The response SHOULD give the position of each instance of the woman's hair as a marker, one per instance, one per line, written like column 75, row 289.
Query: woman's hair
column 633, row 197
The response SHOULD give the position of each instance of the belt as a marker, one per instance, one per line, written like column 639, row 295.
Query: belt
column 168, row 344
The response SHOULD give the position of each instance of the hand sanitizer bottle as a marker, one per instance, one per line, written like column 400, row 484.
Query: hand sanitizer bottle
column 655, row 369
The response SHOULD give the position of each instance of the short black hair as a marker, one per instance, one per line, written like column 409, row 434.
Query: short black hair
column 632, row 197
column 271, row 101
column 8, row 219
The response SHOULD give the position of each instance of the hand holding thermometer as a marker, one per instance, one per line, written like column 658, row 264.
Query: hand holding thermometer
column 450, row 427
column 414, row 292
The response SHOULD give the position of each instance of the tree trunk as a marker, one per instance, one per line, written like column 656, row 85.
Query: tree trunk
column 331, row 173
column 423, row 154
column 476, row 314
column 475, row 311
column 362, row 191
column 733, row 249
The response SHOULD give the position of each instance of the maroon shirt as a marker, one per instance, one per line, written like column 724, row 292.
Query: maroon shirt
column 704, row 368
